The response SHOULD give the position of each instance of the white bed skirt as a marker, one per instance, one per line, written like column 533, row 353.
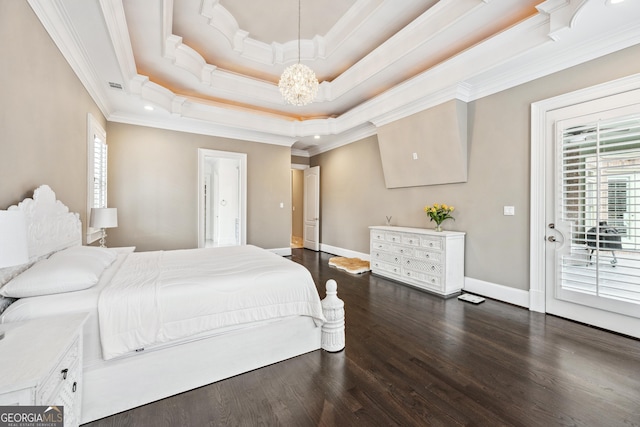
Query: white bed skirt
column 122, row 384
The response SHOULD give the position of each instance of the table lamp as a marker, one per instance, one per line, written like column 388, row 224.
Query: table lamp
column 103, row 218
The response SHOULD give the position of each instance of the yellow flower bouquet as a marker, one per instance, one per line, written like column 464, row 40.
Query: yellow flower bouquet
column 438, row 213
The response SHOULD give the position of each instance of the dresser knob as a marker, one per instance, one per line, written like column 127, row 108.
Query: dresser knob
column 75, row 387
column 64, row 373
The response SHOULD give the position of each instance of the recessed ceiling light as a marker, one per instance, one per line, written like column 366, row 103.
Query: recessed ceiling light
column 316, row 137
column 148, row 107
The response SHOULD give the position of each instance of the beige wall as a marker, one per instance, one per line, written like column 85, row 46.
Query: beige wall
column 299, row 160
column 353, row 193
column 153, row 178
column 43, row 114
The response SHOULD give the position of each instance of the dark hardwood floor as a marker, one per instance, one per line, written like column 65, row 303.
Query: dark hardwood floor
column 414, row 359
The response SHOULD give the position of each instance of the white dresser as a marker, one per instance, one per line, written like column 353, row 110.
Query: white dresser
column 41, row 364
column 427, row 259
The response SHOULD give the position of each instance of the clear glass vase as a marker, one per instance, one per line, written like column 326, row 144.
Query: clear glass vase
column 438, row 227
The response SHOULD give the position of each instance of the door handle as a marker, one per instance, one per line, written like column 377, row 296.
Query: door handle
column 551, row 239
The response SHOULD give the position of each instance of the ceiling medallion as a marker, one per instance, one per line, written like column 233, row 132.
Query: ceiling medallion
column 298, row 83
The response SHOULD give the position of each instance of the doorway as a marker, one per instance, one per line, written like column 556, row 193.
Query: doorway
column 222, row 198
column 297, row 201
column 590, row 210
column 305, row 198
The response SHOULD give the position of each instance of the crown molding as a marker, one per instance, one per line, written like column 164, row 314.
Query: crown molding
column 319, row 47
column 540, row 45
column 299, row 153
column 421, row 32
column 201, row 127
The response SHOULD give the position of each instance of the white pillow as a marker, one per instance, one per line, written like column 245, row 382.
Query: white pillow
column 72, row 269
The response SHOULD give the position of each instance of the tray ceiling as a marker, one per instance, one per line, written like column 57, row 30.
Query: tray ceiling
column 212, row 66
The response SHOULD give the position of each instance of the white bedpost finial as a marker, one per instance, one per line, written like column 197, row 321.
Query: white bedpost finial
column 333, row 330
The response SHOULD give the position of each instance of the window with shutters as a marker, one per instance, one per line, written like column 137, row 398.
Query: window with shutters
column 97, row 172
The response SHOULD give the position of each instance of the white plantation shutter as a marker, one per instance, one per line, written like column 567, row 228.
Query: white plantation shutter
column 97, row 172
column 600, row 199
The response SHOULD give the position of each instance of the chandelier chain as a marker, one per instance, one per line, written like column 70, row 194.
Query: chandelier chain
column 299, row 18
column 298, row 83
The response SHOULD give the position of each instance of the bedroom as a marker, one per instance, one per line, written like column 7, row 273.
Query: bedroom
column 152, row 177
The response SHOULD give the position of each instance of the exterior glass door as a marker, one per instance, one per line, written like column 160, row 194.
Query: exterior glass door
column 594, row 270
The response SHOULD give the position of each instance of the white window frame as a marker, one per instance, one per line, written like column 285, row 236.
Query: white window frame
column 97, row 151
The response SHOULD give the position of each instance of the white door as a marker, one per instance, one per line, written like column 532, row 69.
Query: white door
column 592, row 259
column 311, row 208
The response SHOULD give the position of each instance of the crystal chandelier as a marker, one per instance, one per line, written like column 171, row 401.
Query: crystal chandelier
column 298, row 83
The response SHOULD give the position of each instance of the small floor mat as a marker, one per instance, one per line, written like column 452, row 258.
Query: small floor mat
column 350, row 265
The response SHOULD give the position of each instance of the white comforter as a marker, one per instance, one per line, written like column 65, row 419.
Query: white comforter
column 158, row 297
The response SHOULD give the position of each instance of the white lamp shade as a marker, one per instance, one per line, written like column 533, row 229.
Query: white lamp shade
column 13, row 239
column 104, row 218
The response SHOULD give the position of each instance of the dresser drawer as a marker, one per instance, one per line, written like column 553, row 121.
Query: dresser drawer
column 393, row 237
column 69, row 396
column 420, row 265
column 61, row 375
column 428, row 255
column 433, row 283
column 380, row 246
column 411, row 239
column 386, row 257
column 402, row 250
column 413, row 275
column 382, row 267
column 431, row 243
column 377, row 235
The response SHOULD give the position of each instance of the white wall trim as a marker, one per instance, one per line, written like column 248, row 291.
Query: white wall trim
column 498, row 292
column 281, row 251
column 343, row 252
column 297, row 166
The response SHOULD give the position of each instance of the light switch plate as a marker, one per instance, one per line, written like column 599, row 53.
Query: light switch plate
column 509, row 210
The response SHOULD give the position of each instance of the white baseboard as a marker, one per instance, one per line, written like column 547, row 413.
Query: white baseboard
column 343, row 252
column 538, row 302
column 281, row 251
column 497, row 292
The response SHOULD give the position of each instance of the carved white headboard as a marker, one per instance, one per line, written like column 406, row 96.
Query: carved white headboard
column 50, row 227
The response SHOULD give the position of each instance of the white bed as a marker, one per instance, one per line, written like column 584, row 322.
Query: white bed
column 189, row 317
